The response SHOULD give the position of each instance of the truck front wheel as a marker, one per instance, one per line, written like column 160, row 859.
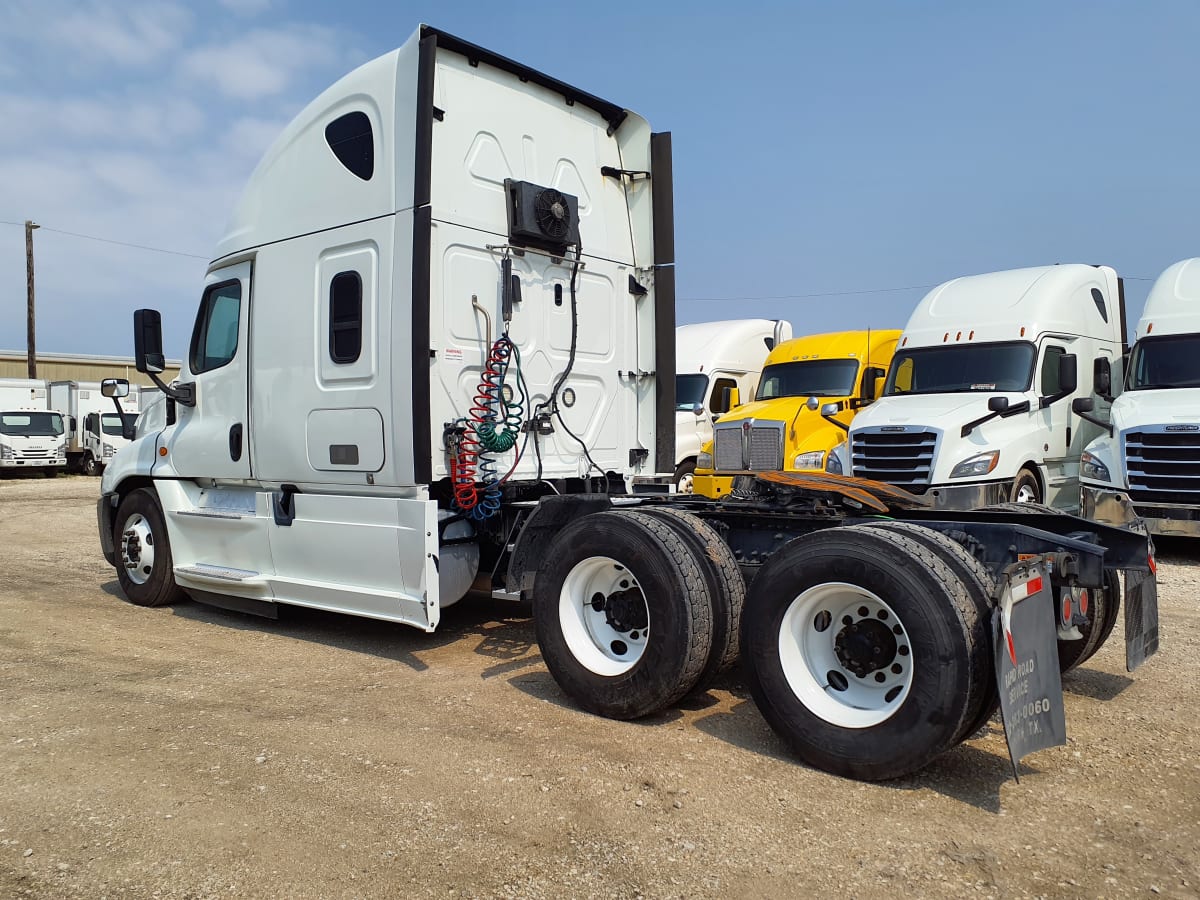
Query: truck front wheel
column 864, row 651
column 623, row 614
column 90, row 466
column 1026, row 488
column 685, row 474
column 144, row 565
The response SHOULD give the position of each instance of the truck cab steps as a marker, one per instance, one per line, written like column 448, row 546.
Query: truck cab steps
column 219, row 574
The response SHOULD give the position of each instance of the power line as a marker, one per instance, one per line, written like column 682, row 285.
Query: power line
column 92, row 237
column 812, row 296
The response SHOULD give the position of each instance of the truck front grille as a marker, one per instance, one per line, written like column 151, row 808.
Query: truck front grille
column 1163, row 466
column 762, row 443
column 902, row 458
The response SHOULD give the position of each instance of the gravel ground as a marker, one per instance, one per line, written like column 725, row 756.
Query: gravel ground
column 191, row 752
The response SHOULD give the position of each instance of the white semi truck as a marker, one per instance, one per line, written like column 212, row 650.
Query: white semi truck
column 711, row 358
column 977, row 407
column 94, row 428
column 32, row 438
column 1150, row 448
column 435, row 349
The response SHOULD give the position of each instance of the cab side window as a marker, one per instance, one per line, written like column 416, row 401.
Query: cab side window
column 215, row 339
column 717, row 402
column 1049, row 374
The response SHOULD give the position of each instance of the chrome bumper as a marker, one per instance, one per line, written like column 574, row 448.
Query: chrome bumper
column 967, row 496
column 1115, row 508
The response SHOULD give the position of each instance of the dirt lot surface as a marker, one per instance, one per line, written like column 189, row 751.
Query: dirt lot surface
column 190, row 752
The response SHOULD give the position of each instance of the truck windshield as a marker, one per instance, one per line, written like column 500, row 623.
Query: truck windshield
column 962, row 368
column 110, row 423
column 1171, row 361
column 31, row 424
column 812, row 378
column 689, row 391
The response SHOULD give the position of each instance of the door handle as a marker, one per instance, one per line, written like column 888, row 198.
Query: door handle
column 235, row 442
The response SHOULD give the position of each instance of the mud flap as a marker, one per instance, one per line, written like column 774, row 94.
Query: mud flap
column 1141, row 618
column 1026, row 644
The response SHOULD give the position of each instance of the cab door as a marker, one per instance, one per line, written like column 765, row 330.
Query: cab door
column 1055, row 439
column 211, row 439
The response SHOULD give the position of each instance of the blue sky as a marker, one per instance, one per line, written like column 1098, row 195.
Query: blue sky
column 820, row 148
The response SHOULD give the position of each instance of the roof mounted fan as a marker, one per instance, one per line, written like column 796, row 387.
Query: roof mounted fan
column 541, row 216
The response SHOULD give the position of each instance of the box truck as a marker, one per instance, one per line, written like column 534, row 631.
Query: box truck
column 809, row 392
column 94, row 429
column 710, row 359
column 977, row 407
column 31, row 436
column 435, row 349
column 1149, row 451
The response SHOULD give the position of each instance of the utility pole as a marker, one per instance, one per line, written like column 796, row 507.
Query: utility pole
column 31, row 349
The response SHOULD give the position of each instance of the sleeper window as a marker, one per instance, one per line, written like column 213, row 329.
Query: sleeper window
column 345, row 317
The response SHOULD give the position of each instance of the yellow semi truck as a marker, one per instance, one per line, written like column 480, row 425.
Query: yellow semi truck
column 810, row 389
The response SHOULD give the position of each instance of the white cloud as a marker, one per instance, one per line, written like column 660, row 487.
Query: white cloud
column 51, row 122
column 134, row 34
column 121, row 126
column 264, row 62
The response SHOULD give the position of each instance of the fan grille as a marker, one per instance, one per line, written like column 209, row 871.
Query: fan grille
column 553, row 213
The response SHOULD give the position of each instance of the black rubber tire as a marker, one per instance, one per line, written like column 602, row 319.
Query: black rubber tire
column 159, row 588
column 1026, row 478
column 687, row 467
column 91, row 466
column 981, row 587
column 725, row 581
column 948, row 636
column 1103, row 608
column 679, row 604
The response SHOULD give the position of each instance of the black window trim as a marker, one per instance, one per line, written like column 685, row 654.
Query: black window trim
column 334, row 326
column 202, row 314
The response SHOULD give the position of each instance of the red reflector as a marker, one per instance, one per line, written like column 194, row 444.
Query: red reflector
column 1153, row 564
column 1033, row 586
column 1012, row 651
column 1066, row 610
column 1083, row 601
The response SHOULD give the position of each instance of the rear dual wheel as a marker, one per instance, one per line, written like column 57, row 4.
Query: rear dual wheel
column 624, row 613
column 865, row 651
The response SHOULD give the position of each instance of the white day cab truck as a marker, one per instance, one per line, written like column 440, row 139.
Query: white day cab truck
column 435, row 349
column 32, row 437
column 94, row 430
column 711, row 360
column 1150, row 449
column 977, row 407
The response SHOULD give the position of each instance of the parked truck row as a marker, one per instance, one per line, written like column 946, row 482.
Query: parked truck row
column 56, row 426
column 435, row 351
column 1014, row 386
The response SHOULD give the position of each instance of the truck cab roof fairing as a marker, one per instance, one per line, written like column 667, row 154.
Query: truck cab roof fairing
column 283, row 199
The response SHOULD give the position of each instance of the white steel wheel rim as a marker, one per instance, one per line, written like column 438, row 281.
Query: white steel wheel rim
column 817, row 672
column 587, row 606
column 1026, row 494
column 686, row 485
column 137, row 548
